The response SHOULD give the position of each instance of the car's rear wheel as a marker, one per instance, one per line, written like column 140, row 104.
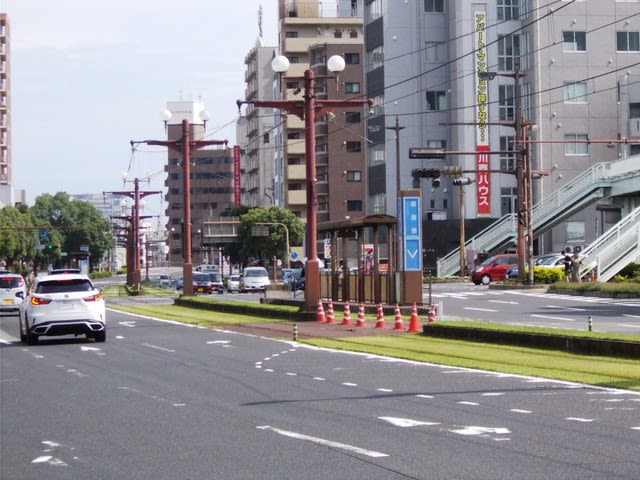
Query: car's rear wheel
column 32, row 338
column 100, row 336
column 23, row 336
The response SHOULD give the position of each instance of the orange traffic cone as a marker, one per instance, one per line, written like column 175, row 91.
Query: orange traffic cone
column 414, row 320
column 346, row 315
column 432, row 313
column 360, row 321
column 320, row 318
column 398, row 325
column 330, row 316
column 380, row 317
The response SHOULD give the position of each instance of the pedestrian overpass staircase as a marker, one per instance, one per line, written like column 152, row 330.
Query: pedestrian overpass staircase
column 601, row 180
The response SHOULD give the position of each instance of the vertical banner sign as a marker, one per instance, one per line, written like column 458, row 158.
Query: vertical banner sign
column 236, row 175
column 483, row 190
column 412, row 239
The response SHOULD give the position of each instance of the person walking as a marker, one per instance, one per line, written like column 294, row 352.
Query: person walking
column 568, row 266
column 575, row 268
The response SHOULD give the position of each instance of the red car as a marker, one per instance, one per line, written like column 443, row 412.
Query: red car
column 202, row 283
column 494, row 269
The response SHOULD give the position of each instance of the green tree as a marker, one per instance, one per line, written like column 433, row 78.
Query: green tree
column 72, row 224
column 275, row 244
column 17, row 238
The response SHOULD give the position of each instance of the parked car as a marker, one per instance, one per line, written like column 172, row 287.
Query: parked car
column 165, row 281
column 12, row 292
column 217, row 284
column 63, row 304
column 233, row 283
column 178, row 283
column 254, row 279
column 493, row 269
column 202, row 283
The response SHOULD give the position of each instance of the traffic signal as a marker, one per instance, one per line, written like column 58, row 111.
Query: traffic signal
column 425, row 173
column 49, row 247
column 462, row 181
column 452, row 171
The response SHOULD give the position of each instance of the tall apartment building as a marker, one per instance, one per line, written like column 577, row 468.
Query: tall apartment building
column 579, row 81
column 6, row 167
column 257, row 130
column 310, row 32
column 211, row 182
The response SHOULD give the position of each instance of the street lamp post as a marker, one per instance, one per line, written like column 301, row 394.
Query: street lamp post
column 461, row 182
column 523, row 176
column 286, row 232
column 309, row 110
column 185, row 145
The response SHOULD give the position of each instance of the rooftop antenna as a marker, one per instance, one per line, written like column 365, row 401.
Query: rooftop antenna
column 260, row 20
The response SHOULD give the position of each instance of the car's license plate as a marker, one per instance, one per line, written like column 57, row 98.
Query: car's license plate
column 7, row 301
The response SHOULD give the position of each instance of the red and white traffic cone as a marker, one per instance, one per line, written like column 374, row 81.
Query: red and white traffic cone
column 398, row 325
column 320, row 318
column 330, row 316
column 414, row 320
column 346, row 315
column 360, row 320
column 380, row 317
column 432, row 313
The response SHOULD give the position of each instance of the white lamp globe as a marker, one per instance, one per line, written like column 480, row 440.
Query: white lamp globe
column 335, row 63
column 280, row 64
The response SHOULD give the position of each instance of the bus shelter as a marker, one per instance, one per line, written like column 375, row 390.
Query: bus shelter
column 360, row 259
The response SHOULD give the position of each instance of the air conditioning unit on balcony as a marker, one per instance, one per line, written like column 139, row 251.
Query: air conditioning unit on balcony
column 634, row 127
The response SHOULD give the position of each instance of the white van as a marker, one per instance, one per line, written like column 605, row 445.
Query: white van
column 208, row 268
column 254, row 279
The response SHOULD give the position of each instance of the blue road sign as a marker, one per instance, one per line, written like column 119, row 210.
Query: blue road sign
column 412, row 234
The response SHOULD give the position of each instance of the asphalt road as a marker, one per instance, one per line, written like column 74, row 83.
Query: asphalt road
column 167, row 401
column 534, row 307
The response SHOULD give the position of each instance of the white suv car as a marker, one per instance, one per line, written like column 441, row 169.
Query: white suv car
column 12, row 290
column 65, row 304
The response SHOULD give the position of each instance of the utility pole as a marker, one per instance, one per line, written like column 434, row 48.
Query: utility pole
column 398, row 266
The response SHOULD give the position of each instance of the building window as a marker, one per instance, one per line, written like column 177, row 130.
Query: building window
column 508, row 200
column 628, row 41
column 354, row 176
column 575, row 231
column 436, row 100
column 352, row 87
column 575, row 92
column 506, row 108
column 508, row 51
column 574, row 41
column 436, row 51
column 580, row 147
column 507, row 160
column 508, row 9
column 352, row 58
column 377, row 154
column 373, row 10
column 293, row 59
column 352, row 117
column 354, row 205
column 337, row 34
column 376, row 58
column 434, row 6
column 353, row 33
column 354, row 146
column 291, row 34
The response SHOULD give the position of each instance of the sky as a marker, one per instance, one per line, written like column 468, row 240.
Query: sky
column 89, row 76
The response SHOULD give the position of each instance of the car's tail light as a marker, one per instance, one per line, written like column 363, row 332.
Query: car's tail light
column 39, row 300
column 93, row 298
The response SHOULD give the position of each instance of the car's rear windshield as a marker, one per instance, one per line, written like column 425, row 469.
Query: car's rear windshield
column 11, row 282
column 60, row 286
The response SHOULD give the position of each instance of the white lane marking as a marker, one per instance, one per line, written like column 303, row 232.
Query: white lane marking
column 90, row 349
column 635, row 428
column 324, row 442
column 156, row 347
column 291, row 374
column 218, row 342
column 576, row 419
column 406, row 422
column 558, row 307
column 481, row 309
column 320, row 379
column 628, row 325
column 549, row 317
column 384, row 390
column 348, row 384
column 128, row 323
column 518, row 410
column 504, row 301
column 483, row 431
column 422, row 395
column 492, row 394
column 473, row 404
